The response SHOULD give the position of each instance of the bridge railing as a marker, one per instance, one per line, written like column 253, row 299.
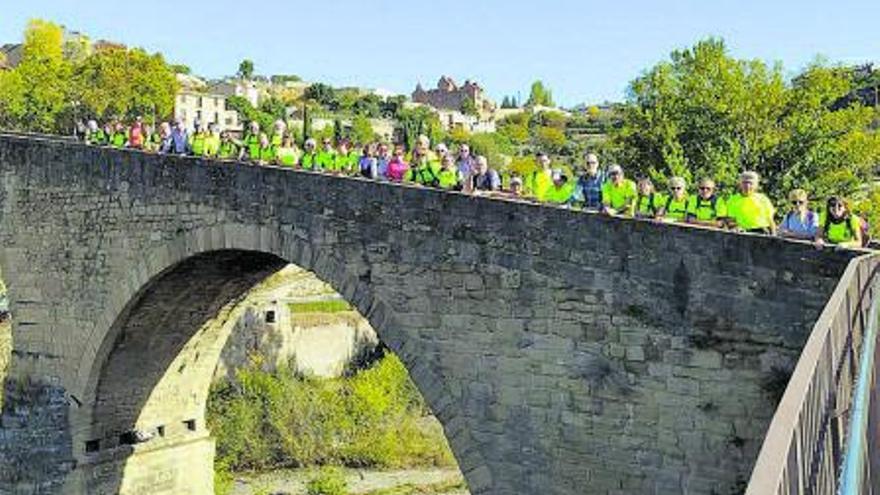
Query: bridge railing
column 803, row 452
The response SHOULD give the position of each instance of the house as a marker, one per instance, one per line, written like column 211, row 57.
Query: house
column 208, row 108
column 10, row 54
column 237, row 87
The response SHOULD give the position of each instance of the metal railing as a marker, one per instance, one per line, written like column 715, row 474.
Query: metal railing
column 803, row 452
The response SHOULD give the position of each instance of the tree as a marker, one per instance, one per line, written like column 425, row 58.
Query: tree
column 274, row 107
column 369, row 105
column 246, row 69
column 540, row 95
column 468, row 107
column 321, row 93
column 180, row 69
column 361, row 129
column 45, row 75
column 704, row 113
column 120, row 83
column 509, row 102
column 12, row 99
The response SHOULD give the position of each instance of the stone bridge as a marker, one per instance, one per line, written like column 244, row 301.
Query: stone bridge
column 563, row 352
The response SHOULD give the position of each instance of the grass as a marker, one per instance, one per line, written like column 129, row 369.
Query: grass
column 323, row 306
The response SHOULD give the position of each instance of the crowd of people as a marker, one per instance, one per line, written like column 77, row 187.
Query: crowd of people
column 607, row 191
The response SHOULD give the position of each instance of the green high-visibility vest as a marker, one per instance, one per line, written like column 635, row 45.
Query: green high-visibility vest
column 118, row 139
column 228, row 149
column 307, row 161
column 252, row 143
column 197, row 144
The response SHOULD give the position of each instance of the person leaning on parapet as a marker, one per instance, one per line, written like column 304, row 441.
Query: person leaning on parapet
column 466, row 164
column 539, row 181
column 95, row 135
column 838, row 226
column 179, row 139
column 618, row 193
column 383, row 156
column 197, row 139
column 287, row 153
column 648, row 201
column 800, row 222
column 136, row 134
column 267, row 150
column 309, row 156
column 706, row 207
column 367, row 164
column 325, row 159
column 674, row 208
column 448, row 177
column 484, row 179
column 397, row 166
column 119, row 138
column 212, row 140
column 278, row 131
column 423, row 147
column 422, row 170
column 250, row 145
column 750, row 210
column 588, row 188
column 229, row 149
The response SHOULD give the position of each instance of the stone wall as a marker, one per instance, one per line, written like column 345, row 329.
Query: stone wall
column 563, row 352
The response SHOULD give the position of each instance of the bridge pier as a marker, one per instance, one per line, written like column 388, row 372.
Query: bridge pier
column 181, row 466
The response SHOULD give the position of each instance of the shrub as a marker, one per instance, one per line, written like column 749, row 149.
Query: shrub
column 328, row 481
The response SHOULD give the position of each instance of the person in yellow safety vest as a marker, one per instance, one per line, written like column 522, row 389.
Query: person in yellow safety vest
column 838, row 226
column 119, row 136
column 423, row 147
column 287, row 153
column 449, row 178
column 326, row 158
column 561, row 189
column 706, row 207
column 278, row 132
column 648, row 202
column 196, row 142
column 250, row 146
column 228, row 147
column 212, row 140
column 422, row 170
column 267, row 151
column 674, row 208
column 750, row 210
column 538, row 182
column 618, row 193
column 309, row 156
column 345, row 161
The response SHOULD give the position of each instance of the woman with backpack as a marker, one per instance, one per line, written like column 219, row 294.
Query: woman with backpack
column 838, row 226
column 800, row 222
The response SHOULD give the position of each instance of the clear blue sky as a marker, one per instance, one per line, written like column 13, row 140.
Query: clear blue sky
column 585, row 50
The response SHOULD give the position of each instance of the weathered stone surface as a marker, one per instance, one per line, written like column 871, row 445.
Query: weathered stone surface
column 563, row 352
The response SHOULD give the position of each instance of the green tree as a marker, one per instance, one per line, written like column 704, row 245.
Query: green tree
column 246, row 69
column 369, row 106
column 468, row 107
column 45, row 75
column 12, row 99
column 275, row 107
column 540, row 95
column 125, row 83
column 180, row 69
column 361, row 129
column 704, row 113
column 321, row 93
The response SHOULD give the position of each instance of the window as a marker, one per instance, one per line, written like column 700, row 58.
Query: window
column 93, row 446
column 201, row 103
column 190, row 424
column 270, row 316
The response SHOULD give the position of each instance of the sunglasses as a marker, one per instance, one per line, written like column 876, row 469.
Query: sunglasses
column 798, row 202
column 705, row 188
column 835, row 205
column 677, row 188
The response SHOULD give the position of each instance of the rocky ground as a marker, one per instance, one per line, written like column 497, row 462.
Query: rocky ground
column 360, row 482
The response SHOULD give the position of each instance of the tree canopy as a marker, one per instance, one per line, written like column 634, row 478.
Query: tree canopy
column 246, row 69
column 540, row 95
column 705, row 113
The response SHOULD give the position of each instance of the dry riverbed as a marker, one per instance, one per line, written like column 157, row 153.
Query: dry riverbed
column 360, row 482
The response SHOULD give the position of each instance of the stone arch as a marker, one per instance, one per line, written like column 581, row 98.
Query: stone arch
column 234, row 258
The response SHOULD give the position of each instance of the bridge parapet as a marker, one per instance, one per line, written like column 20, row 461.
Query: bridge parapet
column 804, row 449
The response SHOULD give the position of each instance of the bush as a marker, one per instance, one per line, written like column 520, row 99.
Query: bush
column 371, row 419
column 329, row 481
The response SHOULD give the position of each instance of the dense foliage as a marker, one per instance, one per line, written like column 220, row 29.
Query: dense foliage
column 57, row 83
column 704, row 113
column 371, row 419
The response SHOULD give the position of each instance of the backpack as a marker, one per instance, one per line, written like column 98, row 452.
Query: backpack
column 652, row 204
